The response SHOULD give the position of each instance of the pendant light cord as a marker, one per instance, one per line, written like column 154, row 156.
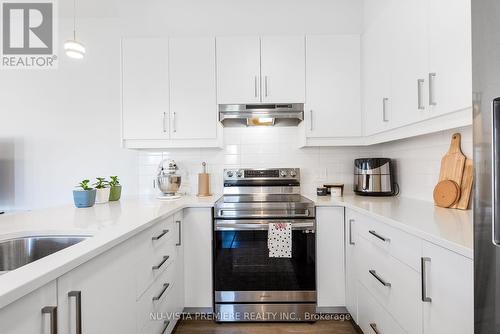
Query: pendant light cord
column 74, row 20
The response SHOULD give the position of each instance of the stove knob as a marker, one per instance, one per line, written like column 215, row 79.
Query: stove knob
column 283, row 173
column 239, row 173
column 293, row 173
column 230, row 173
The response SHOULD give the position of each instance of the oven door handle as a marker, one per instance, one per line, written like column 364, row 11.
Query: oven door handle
column 228, row 226
column 306, row 213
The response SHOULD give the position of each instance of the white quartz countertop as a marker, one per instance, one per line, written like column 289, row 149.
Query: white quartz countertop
column 449, row 228
column 109, row 224
column 112, row 223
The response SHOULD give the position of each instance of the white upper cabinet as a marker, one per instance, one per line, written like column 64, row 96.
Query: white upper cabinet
column 283, row 69
column 193, row 106
column 376, row 67
column 450, row 71
column 333, row 86
column 238, row 69
column 270, row 69
column 409, row 36
column 145, row 88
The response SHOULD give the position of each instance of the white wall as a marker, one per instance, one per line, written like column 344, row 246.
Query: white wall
column 417, row 159
column 60, row 126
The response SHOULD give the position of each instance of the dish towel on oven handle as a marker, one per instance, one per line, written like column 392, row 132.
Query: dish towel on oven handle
column 279, row 240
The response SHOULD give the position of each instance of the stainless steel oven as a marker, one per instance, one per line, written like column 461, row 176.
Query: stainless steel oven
column 249, row 285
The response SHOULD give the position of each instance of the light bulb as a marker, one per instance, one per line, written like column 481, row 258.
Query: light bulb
column 74, row 49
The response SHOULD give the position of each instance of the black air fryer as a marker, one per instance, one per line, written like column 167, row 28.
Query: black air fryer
column 374, row 177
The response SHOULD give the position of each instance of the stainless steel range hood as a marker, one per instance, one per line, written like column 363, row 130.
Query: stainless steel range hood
column 283, row 114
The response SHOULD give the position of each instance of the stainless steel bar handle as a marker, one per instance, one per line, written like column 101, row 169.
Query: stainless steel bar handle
column 78, row 309
column 52, row 312
column 378, row 278
column 311, row 120
column 165, row 287
column 384, row 109
column 495, row 156
column 164, row 122
column 179, row 223
column 173, row 121
column 350, row 232
column 265, row 85
column 158, row 266
column 432, row 99
column 420, row 83
column 159, row 236
column 257, row 215
column 373, row 326
column 256, row 93
column 425, row 298
column 166, row 323
column 384, row 239
column 260, row 227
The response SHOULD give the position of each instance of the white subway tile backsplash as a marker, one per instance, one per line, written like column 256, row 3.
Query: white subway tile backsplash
column 417, row 159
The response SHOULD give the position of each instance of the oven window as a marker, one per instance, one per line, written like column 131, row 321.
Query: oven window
column 242, row 263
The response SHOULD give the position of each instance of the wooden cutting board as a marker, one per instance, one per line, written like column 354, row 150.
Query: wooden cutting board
column 466, row 186
column 453, row 163
column 446, row 193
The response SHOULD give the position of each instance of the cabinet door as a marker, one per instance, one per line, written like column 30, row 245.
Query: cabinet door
column 106, row 284
column 283, row 69
column 410, row 61
column 350, row 266
column 450, row 56
column 179, row 264
column 145, row 88
column 330, row 256
column 197, row 228
column 238, row 69
column 333, row 86
column 448, row 281
column 193, row 106
column 24, row 316
column 376, row 67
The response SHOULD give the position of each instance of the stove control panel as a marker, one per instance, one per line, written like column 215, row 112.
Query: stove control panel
column 262, row 174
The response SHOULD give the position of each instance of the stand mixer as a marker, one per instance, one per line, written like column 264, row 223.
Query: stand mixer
column 168, row 180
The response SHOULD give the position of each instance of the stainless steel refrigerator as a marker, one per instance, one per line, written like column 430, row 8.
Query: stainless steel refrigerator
column 486, row 115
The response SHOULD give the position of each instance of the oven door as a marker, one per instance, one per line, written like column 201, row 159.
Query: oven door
column 244, row 272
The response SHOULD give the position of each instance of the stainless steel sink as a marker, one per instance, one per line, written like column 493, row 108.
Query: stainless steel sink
column 15, row 253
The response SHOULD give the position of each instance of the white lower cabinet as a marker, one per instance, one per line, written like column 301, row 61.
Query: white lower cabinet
column 448, row 291
column 198, row 258
column 99, row 294
column 32, row 314
column 388, row 293
column 330, row 256
column 351, row 293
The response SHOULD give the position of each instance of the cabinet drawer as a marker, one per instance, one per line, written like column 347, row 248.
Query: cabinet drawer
column 392, row 283
column 156, row 250
column 399, row 244
column 373, row 318
column 158, row 301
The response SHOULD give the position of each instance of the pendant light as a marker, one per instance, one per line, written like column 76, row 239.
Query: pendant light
column 72, row 47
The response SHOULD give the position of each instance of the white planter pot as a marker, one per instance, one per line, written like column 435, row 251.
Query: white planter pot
column 102, row 195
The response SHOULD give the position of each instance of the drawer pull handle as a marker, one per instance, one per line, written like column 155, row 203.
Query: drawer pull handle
column 165, row 287
column 159, row 236
column 158, row 266
column 179, row 243
column 166, row 323
column 52, row 311
column 384, row 239
column 425, row 298
column 78, row 318
column 378, row 278
column 350, row 232
column 374, row 328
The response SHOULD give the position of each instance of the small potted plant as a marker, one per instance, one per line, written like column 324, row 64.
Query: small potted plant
column 102, row 190
column 115, row 188
column 84, row 196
